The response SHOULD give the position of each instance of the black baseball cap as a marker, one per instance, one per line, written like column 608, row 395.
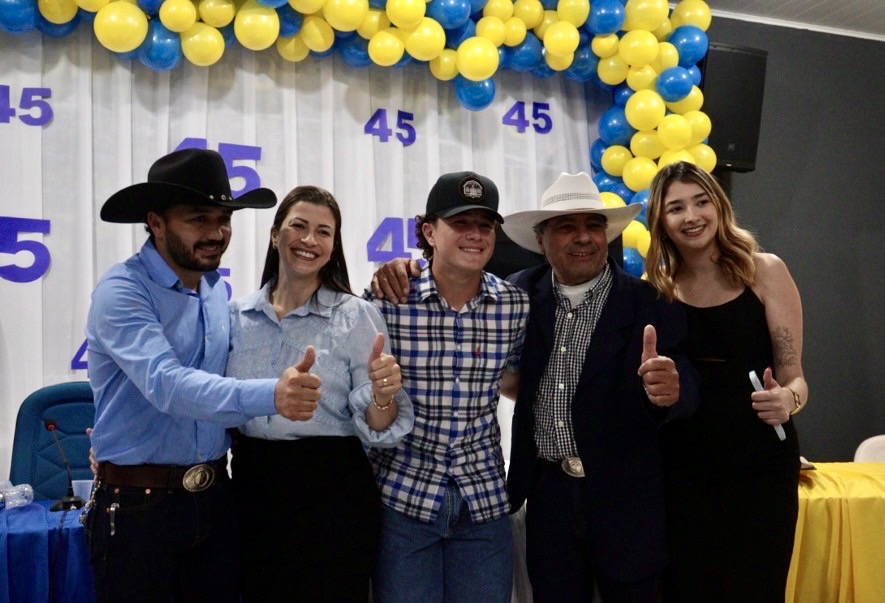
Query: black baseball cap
column 458, row 192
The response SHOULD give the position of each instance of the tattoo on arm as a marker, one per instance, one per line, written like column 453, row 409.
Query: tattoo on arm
column 784, row 351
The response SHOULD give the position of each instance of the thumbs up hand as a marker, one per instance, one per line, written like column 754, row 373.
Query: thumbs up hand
column 774, row 403
column 384, row 373
column 660, row 379
column 298, row 390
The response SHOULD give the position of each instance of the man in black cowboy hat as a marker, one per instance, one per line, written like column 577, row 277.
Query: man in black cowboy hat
column 162, row 525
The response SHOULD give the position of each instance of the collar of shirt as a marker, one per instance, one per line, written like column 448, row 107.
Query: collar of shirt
column 425, row 288
column 597, row 284
column 320, row 303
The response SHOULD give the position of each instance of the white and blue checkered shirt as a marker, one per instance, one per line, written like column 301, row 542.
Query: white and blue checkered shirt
column 452, row 363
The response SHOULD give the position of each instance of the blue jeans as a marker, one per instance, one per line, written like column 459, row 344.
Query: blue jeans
column 449, row 559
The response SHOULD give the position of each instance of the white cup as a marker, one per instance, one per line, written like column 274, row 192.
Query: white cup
column 83, row 488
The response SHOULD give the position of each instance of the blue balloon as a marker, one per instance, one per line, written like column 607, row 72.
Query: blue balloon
column 641, row 198
column 18, row 16
column 526, row 55
column 449, row 13
column 542, row 70
column 327, row 52
column 602, row 85
column 596, row 150
column 605, row 182
column 382, row 4
column 151, row 7
column 290, row 21
column 474, row 96
column 85, row 16
column 674, row 84
column 476, row 7
column 696, row 75
column 343, row 35
column 606, row 17
column 455, row 36
column 127, row 56
column 691, row 42
column 228, row 35
column 161, row 49
column 503, row 57
column 355, row 51
column 614, row 128
column 622, row 94
column 273, row 3
column 583, row 66
column 57, row 30
column 549, row 4
column 633, row 262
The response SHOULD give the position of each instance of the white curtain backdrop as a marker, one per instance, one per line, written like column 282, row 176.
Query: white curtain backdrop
column 112, row 118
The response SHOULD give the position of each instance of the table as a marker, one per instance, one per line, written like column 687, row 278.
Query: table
column 839, row 553
column 43, row 556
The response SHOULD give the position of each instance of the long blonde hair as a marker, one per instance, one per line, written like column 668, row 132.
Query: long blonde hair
column 736, row 245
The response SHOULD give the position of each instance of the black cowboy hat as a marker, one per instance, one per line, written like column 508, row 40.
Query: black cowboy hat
column 186, row 177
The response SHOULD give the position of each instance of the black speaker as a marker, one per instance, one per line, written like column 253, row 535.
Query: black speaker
column 734, row 85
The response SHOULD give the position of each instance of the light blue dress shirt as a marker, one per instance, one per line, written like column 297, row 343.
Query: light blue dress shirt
column 157, row 351
column 342, row 329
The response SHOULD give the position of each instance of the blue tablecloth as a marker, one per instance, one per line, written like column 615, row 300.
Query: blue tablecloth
column 43, row 556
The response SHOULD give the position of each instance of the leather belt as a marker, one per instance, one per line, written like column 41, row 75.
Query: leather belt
column 195, row 478
column 570, row 465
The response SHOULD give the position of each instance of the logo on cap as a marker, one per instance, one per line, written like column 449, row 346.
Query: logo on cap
column 471, row 188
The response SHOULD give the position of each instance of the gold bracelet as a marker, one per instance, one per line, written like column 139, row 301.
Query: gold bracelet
column 378, row 406
column 797, row 402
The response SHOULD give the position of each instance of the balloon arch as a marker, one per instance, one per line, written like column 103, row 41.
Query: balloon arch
column 639, row 50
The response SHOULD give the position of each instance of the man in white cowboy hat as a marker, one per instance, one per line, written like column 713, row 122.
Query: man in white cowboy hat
column 600, row 373
column 162, row 525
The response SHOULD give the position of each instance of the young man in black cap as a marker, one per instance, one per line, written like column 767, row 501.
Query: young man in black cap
column 162, row 524
column 445, row 531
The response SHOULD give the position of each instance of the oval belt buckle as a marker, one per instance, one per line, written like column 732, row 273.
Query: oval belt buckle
column 198, row 478
column 573, row 466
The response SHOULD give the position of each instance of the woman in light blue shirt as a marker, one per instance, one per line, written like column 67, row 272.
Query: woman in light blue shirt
column 308, row 505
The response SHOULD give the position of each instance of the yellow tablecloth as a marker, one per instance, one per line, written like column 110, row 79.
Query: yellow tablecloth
column 839, row 554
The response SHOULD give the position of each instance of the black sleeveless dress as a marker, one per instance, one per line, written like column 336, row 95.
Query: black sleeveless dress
column 732, row 485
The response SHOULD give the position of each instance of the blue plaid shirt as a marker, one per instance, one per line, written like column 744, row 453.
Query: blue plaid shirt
column 452, row 363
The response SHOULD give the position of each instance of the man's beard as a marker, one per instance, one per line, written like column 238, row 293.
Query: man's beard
column 184, row 256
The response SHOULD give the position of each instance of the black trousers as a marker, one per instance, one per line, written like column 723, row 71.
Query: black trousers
column 160, row 545
column 309, row 514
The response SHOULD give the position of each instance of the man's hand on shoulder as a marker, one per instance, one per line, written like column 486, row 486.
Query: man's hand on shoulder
column 391, row 281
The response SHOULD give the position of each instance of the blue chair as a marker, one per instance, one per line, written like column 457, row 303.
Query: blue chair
column 35, row 457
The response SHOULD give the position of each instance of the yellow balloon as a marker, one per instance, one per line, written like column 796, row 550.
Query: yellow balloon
column 561, row 39
column 445, row 66
column 645, row 143
column 503, row 9
column 605, row 46
column 645, row 14
column 674, row 131
column 638, row 173
column 426, row 41
column 57, row 11
column 531, row 12
column 641, row 78
column 611, row 200
column 292, row 48
column 692, row 12
column 202, row 44
column 704, row 155
column 307, row 7
column 662, row 33
column 573, row 11
column 701, row 126
column 405, row 13
column 614, row 158
column 631, row 234
column 386, row 48
column 549, row 19
column 217, row 13
column 477, row 59
column 644, row 109
column 120, row 26
column 375, row 21
column 491, row 28
column 93, row 6
column 638, row 47
column 693, row 102
column 612, row 70
column 670, row 156
column 317, row 34
column 558, row 62
column 345, row 15
column 643, row 242
column 515, row 31
column 178, row 15
column 257, row 26
column 667, row 57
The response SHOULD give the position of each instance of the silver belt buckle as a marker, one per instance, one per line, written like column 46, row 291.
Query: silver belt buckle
column 198, row 478
column 573, row 466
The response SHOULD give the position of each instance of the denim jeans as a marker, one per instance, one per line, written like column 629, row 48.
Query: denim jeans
column 450, row 559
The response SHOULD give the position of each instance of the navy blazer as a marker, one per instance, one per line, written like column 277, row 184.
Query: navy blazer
column 615, row 426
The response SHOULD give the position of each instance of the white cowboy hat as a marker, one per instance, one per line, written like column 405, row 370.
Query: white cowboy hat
column 570, row 194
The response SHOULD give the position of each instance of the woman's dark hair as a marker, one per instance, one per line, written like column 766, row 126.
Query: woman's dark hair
column 334, row 274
